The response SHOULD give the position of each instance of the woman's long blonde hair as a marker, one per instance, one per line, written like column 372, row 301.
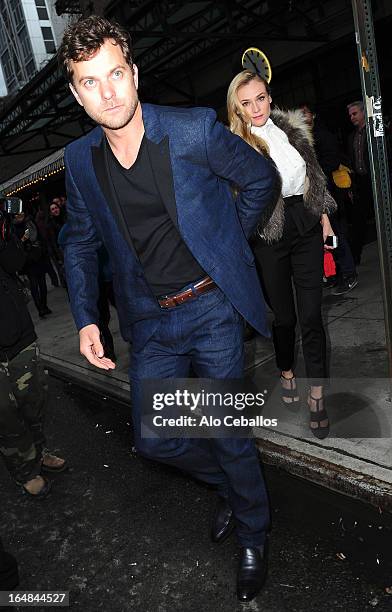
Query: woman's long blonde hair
column 239, row 121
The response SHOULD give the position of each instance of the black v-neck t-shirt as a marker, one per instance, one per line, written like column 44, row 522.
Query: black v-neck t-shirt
column 167, row 262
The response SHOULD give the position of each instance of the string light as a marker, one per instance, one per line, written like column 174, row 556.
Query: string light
column 39, row 179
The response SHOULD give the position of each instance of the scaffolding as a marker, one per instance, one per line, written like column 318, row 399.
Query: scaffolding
column 368, row 68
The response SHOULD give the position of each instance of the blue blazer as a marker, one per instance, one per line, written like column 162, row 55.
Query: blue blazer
column 199, row 160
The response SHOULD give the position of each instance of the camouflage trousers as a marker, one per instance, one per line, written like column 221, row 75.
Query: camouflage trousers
column 23, row 394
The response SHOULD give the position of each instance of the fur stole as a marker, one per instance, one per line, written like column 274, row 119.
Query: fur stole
column 317, row 198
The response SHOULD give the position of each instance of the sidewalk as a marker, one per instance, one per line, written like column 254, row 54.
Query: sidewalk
column 356, row 459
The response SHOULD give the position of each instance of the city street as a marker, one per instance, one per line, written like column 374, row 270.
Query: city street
column 124, row 534
column 174, row 174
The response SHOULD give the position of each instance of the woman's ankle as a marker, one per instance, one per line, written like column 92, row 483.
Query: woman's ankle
column 316, row 392
column 287, row 374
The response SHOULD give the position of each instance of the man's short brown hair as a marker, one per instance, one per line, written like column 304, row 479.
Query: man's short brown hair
column 83, row 38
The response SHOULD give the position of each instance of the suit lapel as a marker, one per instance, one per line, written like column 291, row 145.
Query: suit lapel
column 100, row 164
column 159, row 154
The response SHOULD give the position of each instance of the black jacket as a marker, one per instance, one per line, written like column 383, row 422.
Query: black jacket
column 16, row 327
column 330, row 156
column 327, row 149
column 36, row 262
column 350, row 150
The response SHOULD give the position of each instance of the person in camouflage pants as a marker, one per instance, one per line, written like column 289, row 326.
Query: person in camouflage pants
column 23, row 391
column 23, row 380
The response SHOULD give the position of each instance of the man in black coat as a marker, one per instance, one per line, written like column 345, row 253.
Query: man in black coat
column 36, row 262
column 363, row 207
column 330, row 157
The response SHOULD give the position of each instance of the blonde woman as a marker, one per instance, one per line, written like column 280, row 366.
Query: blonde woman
column 291, row 235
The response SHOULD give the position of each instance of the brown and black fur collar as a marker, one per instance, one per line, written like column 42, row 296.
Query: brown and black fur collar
column 317, row 198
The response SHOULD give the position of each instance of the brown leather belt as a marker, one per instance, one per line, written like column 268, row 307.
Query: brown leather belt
column 206, row 284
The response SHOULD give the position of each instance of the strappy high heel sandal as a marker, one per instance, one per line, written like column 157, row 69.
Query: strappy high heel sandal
column 317, row 416
column 289, row 396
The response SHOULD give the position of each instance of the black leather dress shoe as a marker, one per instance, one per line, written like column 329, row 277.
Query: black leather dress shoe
column 252, row 572
column 223, row 521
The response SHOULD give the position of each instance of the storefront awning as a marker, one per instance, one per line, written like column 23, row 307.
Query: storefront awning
column 52, row 164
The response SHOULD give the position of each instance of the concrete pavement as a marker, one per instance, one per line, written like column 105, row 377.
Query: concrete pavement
column 356, row 458
column 124, row 534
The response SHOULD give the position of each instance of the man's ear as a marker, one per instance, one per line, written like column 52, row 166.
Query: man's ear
column 270, row 99
column 75, row 93
column 135, row 75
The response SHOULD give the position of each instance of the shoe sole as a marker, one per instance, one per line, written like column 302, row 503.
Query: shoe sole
column 346, row 290
column 320, row 432
column 52, row 470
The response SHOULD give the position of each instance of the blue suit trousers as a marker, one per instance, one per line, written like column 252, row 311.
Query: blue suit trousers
column 205, row 333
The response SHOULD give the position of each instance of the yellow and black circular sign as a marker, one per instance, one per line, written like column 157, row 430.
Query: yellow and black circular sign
column 254, row 59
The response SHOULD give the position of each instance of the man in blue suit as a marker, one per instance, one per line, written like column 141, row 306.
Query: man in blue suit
column 153, row 184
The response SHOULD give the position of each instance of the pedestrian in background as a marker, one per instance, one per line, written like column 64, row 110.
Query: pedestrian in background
column 330, row 159
column 42, row 225
column 35, row 266
column 55, row 222
column 362, row 211
column 23, row 380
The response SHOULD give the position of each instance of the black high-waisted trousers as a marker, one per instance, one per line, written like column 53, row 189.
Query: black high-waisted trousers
column 296, row 257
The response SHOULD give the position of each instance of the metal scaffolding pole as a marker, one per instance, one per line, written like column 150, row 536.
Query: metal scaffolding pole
column 368, row 68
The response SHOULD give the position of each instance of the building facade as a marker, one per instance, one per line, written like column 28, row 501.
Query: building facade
column 30, row 32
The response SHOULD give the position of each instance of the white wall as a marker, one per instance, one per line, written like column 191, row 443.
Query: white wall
column 58, row 23
column 34, row 28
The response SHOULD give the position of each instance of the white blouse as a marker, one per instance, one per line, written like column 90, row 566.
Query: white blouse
column 291, row 166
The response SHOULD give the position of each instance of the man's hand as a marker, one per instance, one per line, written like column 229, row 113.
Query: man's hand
column 92, row 349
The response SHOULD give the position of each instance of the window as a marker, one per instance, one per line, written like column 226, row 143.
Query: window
column 3, row 40
column 7, row 67
column 10, row 73
column 30, row 67
column 17, row 13
column 17, row 54
column 48, row 39
column 25, row 44
column 41, row 10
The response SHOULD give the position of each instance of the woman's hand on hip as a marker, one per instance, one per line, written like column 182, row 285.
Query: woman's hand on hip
column 327, row 229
